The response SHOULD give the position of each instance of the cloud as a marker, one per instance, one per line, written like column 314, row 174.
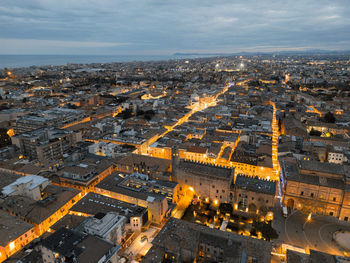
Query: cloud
column 26, row 46
column 166, row 26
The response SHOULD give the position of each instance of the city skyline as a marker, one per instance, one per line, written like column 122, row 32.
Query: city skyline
column 158, row 28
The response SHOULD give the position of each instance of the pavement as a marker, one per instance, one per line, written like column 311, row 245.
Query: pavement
column 182, row 205
column 316, row 234
column 139, row 247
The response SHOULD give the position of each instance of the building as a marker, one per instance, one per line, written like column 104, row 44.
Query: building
column 104, row 149
column 110, row 226
column 54, row 204
column 84, row 172
column 30, row 186
column 93, row 204
column 316, row 187
column 55, row 117
column 70, row 246
column 207, row 181
column 46, row 143
column 314, row 256
column 158, row 196
column 181, row 241
column 154, row 167
column 14, row 234
column 252, row 194
column 337, row 157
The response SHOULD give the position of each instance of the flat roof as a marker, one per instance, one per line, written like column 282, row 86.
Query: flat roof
column 131, row 186
column 255, row 184
column 94, row 203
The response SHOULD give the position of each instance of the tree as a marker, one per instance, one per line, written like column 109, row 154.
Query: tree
column 329, row 117
column 315, row 133
column 267, row 231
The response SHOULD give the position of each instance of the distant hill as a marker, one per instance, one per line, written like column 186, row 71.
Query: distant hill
column 285, row 52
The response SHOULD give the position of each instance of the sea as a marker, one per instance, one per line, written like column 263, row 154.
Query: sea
column 19, row 61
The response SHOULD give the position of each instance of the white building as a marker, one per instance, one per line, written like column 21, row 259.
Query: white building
column 30, row 186
column 103, row 149
column 110, row 226
column 336, row 157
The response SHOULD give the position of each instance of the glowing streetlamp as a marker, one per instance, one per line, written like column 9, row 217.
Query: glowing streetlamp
column 309, row 217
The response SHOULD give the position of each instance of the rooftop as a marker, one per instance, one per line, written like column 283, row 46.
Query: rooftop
column 32, row 181
column 94, row 203
column 316, row 166
column 255, row 184
column 205, row 169
column 178, row 235
column 136, row 186
column 11, row 227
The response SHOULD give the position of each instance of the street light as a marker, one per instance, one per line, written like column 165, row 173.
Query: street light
column 309, row 217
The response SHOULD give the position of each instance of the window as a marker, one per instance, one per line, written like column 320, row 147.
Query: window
column 213, row 186
column 302, row 193
column 312, row 195
column 346, row 218
column 334, row 199
column 330, row 213
column 217, row 191
column 223, row 190
column 252, row 198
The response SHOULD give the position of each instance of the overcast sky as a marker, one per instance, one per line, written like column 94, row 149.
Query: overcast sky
column 157, row 27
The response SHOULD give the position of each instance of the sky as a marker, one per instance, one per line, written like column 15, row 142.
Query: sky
column 163, row 27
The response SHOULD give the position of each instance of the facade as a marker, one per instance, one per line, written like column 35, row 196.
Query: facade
column 221, row 185
column 316, row 187
column 14, row 234
column 46, row 143
column 206, row 180
column 336, row 157
column 253, row 195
